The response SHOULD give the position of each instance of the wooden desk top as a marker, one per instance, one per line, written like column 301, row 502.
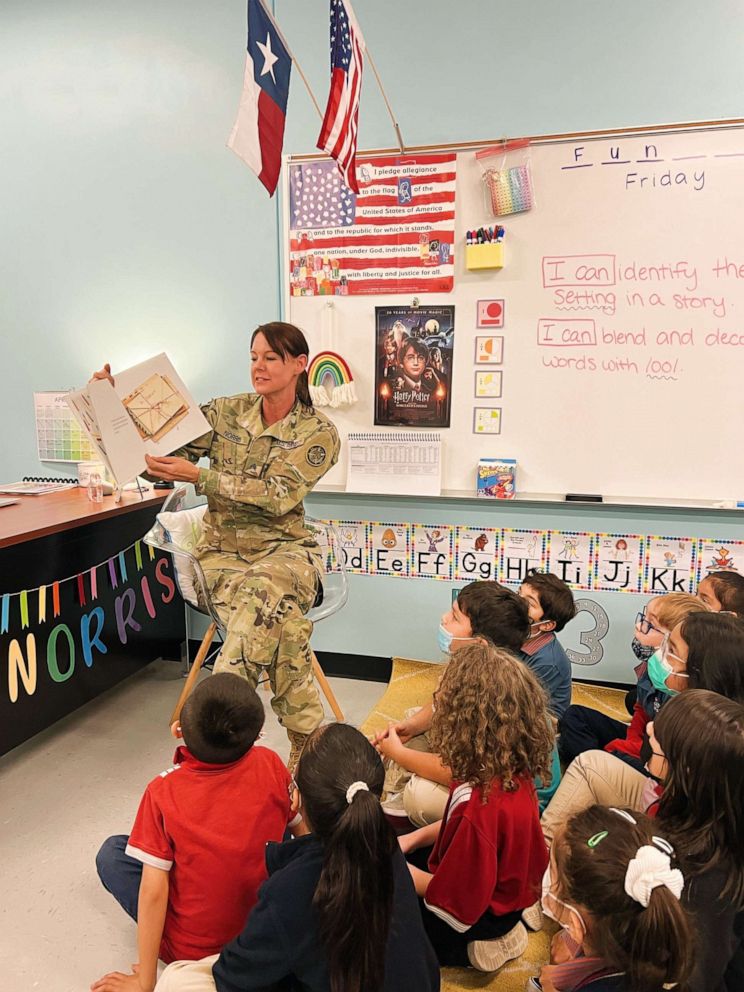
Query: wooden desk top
column 38, row 516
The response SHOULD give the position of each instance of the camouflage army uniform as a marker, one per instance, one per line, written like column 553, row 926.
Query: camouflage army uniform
column 261, row 562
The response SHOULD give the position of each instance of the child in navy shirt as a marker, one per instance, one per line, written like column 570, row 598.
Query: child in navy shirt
column 614, row 887
column 338, row 911
column 551, row 606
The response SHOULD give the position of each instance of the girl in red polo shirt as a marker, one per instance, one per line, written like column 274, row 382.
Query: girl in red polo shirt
column 491, row 727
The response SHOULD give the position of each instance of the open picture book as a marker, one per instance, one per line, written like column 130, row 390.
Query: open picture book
column 149, row 411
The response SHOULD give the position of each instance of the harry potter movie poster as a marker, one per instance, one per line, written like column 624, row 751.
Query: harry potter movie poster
column 413, row 365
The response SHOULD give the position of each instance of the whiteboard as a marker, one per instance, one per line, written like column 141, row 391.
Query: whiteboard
column 623, row 364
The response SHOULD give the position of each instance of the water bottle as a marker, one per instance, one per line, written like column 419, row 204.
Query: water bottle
column 95, row 488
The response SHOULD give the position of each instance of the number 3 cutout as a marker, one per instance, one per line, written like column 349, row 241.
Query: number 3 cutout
column 591, row 639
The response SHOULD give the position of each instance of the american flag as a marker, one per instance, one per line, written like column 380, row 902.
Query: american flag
column 395, row 236
column 338, row 135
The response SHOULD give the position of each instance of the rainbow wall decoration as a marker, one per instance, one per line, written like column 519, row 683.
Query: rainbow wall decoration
column 331, row 381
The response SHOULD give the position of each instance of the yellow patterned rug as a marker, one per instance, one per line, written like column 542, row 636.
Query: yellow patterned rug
column 411, row 684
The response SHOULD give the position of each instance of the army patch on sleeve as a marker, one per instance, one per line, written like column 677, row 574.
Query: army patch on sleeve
column 316, row 455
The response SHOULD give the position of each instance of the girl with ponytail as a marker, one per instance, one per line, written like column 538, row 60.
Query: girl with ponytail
column 338, row 912
column 614, row 887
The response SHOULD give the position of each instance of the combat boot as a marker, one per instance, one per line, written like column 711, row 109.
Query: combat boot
column 297, row 742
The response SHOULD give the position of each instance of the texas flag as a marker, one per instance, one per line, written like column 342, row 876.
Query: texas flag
column 258, row 132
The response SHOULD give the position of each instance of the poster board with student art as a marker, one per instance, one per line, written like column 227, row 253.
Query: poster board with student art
column 622, row 351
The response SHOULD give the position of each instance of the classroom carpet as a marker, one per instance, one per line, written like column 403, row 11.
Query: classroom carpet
column 411, row 684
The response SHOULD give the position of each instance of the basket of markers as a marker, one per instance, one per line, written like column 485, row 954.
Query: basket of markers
column 484, row 248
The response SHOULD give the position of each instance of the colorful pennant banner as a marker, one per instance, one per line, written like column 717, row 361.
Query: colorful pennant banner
column 116, row 576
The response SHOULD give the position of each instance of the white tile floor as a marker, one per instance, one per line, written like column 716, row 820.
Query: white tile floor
column 61, row 795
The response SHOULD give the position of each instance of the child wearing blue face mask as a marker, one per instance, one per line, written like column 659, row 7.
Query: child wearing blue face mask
column 584, row 729
column 417, row 782
column 614, row 887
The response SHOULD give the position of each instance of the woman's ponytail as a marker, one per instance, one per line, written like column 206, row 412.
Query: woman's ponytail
column 302, row 390
column 340, row 777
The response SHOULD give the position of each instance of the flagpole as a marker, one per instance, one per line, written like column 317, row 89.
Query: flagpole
column 384, row 97
column 304, row 80
column 271, row 17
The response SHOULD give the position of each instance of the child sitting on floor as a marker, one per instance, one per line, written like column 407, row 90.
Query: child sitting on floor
column 551, row 606
column 491, row 727
column 338, row 911
column 614, row 888
column 723, row 591
column 584, row 729
column 417, row 783
column 190, row 870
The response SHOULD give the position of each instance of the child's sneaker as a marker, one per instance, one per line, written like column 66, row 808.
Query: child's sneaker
column 532, row 917
column 490, row 955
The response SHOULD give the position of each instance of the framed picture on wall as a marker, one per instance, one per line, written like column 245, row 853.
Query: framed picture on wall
column 413, row 365
column 489, row 349
column 487, row 420
column 488, row 383
column 490, row 313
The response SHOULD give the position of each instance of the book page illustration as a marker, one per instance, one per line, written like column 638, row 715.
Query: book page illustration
column 155, row 407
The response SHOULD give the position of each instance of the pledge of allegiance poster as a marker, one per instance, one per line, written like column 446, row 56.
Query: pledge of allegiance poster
column 413, row 365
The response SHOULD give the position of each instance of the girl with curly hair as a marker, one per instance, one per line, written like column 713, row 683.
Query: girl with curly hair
column 492, row 728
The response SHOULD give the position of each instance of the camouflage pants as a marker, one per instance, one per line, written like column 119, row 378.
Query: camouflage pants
column 263, row 606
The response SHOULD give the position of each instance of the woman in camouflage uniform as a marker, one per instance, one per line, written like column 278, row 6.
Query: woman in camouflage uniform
column 266, row 452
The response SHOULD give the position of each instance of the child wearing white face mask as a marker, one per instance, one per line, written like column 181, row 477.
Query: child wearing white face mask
column 613, row 886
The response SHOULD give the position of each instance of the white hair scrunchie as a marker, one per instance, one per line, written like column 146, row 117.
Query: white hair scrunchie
column 354, row 788
column 649, row 869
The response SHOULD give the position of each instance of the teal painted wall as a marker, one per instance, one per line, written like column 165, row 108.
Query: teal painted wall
column 127, row 226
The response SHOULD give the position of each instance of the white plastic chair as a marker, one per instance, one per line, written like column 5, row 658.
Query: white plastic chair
column 192, row 583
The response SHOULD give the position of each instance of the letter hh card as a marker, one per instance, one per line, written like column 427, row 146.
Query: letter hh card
column 432, row 551
column 521, row 551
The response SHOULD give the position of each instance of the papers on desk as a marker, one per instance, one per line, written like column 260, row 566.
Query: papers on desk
column 148, row 411
column 32, row 488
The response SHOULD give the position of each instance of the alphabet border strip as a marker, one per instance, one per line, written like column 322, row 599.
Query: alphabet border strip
column 612, row 562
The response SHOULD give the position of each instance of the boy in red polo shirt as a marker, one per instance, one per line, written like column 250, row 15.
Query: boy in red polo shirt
column 190, row 870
